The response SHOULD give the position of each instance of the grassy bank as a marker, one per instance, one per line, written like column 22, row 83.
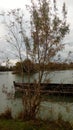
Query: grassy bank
column 8, row 123
column 34, row 125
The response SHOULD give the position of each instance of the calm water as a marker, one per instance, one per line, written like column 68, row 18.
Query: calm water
column 48, row 109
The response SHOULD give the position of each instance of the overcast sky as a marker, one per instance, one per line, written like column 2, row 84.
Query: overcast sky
column 11, row 4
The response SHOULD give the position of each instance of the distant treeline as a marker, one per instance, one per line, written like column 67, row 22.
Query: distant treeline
column 56, row 66
column 28, row 66
column 4, row 68
column 59, row 66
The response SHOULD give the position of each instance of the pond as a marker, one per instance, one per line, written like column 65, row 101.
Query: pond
column 48, row 109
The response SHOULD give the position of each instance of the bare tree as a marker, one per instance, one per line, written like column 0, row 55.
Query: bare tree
column 45, row 40
column 14, row 21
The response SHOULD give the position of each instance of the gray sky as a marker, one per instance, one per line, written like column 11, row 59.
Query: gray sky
column 70, row 19
column 11, row 4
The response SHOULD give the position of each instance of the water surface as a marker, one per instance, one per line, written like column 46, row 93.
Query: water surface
column 49, row 109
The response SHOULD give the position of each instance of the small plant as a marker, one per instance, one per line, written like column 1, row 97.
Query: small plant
column 59, row 117
column 20, row 115
column 7, row 114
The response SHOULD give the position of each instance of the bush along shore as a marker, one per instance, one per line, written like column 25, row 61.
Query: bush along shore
column 8, row 123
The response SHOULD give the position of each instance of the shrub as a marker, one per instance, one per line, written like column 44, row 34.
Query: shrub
column 7, row 114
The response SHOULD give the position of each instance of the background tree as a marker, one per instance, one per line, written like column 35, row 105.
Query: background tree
column 41, row 44
column 28, row 65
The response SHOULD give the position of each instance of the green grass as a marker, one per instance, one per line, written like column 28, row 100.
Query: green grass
column 34, row 125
